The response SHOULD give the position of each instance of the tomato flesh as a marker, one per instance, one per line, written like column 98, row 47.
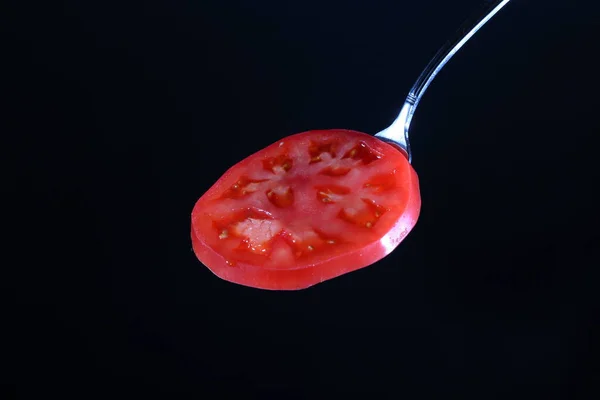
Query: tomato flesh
column 308, row 208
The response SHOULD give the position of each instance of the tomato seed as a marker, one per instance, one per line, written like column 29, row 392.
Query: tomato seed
column 281, row 198
column 334, row 171
column 224, row 235
column 363, row 152
column 281, row 163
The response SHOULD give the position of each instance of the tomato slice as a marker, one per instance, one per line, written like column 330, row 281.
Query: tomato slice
column 308, row 208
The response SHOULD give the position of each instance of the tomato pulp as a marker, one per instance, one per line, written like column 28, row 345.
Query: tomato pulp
column 308, row 208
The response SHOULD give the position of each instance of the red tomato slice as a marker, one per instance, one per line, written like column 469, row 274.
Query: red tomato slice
column 311, row 207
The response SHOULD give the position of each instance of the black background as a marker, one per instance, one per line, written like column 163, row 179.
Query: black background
column 118, row 115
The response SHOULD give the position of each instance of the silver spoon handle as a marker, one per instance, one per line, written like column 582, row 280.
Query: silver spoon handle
column 397, row 132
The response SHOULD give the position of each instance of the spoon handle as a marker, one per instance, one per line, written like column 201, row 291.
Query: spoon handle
column 397, row 132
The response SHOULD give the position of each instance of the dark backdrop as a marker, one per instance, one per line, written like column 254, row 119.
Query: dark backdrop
column 119, row 115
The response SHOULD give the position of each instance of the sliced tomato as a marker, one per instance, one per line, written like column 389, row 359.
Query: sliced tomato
column 306, row 209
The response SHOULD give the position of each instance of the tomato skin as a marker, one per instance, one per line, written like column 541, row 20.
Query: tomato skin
column 249, row 272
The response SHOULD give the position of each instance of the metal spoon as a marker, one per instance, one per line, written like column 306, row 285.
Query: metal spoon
column 397, row 133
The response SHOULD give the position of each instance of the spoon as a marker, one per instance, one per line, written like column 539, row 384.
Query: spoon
column 319, row 204
column 397, row 133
